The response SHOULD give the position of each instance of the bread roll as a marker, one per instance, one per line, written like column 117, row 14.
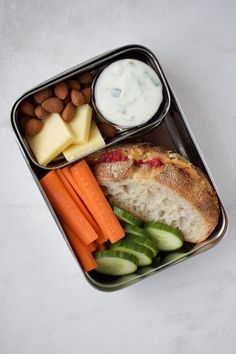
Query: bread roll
column 158, row 186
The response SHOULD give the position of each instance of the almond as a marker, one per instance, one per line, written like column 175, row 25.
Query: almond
column 77, row 98
column 53, row 105
column 67, row 99
column 40, row 112
column 107, row 130
column 68, row 112
column 85, row 78
column 24, row 120
column 86, row 85
column 86, row 92
column 27, row 108
column 33, row 127
column 61, row 90
column 73, row 84
column 42, row 95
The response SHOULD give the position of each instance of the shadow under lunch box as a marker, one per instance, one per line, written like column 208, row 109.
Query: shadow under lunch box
column 168, row 129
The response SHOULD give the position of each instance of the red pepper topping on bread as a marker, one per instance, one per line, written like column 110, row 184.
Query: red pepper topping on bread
column 117, row 156
column 112, row 156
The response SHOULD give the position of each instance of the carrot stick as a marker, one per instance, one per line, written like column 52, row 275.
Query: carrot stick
column 66, row 209
column 101, row 239
column 68, row 175
column 82, row 252
column 71, row 191
column 91, row 247
column 79, row 203
column 96, row 202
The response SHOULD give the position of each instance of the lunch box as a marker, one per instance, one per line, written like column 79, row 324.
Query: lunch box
column 168, row 129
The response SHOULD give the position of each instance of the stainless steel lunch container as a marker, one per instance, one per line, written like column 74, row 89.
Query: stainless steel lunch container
column 171, row 132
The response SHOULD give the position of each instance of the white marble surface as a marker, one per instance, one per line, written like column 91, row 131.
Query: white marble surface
column 46, row 306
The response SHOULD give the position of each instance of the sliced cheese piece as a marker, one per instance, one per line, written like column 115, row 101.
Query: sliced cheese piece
column 76, row 151
column 81, row 123
column 55, row 136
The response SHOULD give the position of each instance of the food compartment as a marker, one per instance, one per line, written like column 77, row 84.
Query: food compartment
column 172, row 134
column 58, row 123
column 169, row 135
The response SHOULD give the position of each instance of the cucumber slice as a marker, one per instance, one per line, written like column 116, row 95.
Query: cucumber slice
column 135, row 230
column 144, row 254
column 143, row 241
column 127, row 217
column 115, row 262
column 167, row 238
column 173, row 256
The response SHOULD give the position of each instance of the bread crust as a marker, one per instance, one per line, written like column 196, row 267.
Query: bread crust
column 175, row 173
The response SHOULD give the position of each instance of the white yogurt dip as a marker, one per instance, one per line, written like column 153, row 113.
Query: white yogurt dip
column 128, row 93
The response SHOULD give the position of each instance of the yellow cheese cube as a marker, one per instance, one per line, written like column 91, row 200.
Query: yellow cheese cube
column 81, row 123
column 78, row 150
column 55, row 136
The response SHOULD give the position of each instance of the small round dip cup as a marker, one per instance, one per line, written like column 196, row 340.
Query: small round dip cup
column 127, row 93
